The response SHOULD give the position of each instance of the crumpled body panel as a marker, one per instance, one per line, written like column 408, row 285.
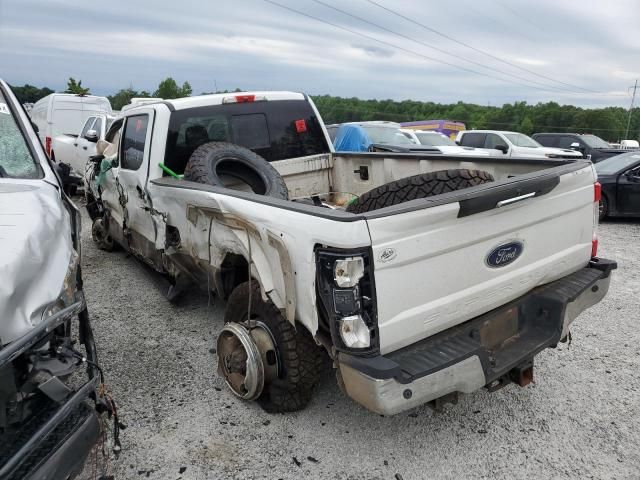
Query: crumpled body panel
column 35, row 252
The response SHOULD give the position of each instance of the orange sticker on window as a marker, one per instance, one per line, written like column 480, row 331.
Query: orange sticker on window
column 138, row 125
column 301, row 126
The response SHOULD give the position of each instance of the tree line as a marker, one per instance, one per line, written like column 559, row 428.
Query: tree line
column 609, row 123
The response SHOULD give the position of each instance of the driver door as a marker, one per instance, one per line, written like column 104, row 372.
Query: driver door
column 138, row 228
column 628, row 200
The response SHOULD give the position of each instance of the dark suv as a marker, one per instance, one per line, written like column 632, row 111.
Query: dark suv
column 591, row 146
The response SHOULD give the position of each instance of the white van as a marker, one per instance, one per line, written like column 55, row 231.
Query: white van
column 65, row 114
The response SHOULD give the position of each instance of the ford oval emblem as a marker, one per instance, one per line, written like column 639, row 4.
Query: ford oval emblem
column 505, row 254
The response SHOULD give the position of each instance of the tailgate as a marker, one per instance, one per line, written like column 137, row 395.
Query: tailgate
column 440, row 266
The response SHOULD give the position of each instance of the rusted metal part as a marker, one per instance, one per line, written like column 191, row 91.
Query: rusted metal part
column 287, row 275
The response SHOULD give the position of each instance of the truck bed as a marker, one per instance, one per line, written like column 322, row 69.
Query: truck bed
column 430, row 255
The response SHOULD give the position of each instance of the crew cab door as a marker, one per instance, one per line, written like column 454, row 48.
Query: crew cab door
column 628, row 200
column 138, row 230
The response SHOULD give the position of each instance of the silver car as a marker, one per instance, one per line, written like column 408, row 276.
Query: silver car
column 49, row 373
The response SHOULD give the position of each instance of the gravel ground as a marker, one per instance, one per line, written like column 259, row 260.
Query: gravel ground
column 581, row 419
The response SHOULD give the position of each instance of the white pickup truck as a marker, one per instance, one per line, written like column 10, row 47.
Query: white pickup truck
column 511, row 144
column 421, row 276
column 75, row 149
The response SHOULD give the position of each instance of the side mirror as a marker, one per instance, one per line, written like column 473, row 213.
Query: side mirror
column 502, row 148
column 633, row 176
column 575, row 146
column 92, row 136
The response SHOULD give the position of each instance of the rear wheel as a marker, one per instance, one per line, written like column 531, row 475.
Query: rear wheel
column 418, row 186
column 266, row 358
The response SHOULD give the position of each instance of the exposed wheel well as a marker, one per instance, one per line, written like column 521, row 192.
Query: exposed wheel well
column 234, row 270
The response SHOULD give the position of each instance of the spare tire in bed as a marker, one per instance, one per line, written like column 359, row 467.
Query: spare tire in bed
column 418, row 186
column 222, row 163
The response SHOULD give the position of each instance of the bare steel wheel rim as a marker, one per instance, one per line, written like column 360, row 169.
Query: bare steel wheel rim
column 240, row 362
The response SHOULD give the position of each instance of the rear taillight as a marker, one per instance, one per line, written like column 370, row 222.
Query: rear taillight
column 47, row 145
column 597, row 195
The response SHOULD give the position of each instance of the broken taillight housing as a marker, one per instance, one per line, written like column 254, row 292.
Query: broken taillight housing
column 597, row 196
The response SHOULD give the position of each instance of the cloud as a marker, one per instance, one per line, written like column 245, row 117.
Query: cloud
column 254, row 44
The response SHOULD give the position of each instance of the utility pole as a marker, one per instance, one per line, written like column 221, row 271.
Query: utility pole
column 633, row 99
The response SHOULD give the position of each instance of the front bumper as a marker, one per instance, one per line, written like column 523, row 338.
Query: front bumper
column 56, row 438
column 477, row 353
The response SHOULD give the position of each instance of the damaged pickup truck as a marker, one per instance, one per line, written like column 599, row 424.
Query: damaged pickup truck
column 49, row 374
column 421, row 275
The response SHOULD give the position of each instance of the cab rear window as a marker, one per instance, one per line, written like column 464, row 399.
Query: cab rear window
column 275, row 130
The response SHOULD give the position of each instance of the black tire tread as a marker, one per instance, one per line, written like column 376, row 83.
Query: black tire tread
column 197, row 168
column 418, row 186
column 299, row 355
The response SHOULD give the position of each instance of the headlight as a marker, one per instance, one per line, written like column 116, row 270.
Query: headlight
column 354, row 332
column 347, row 272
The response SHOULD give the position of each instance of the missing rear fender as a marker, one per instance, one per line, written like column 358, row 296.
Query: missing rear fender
column 233, row 271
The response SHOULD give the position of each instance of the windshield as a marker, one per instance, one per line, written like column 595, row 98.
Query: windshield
column 434, row 140
column 613, row 165
column 594, row 142
column 15, row 158
column 389, row 135
column 521, row 140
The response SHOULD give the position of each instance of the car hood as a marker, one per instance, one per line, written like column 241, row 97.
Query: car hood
column 565, row 152
column 613, row 151
column 37, row 250
column 454, row 149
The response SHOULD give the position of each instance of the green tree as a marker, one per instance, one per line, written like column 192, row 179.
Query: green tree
column 168, row 88
column 30, row 94
column 76, row 87
column 526, row 126
column 123, row 97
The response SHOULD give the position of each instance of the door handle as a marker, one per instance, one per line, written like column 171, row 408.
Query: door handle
column 75, row 144
column 84, row 148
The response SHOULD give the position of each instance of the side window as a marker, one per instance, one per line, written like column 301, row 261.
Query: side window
column 547, row 140
column 492, row 140
column 133, row 140
column 87, row 126
column 473, row 140
column 98, row 126
column 565, row 142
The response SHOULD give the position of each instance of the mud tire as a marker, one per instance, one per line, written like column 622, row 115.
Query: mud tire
column 298, row 355
column 211, row 161
column 418, row 186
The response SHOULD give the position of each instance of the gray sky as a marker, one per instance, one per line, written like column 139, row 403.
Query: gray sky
column 252, row 44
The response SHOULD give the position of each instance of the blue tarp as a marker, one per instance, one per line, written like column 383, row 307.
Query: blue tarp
column 351, row 138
